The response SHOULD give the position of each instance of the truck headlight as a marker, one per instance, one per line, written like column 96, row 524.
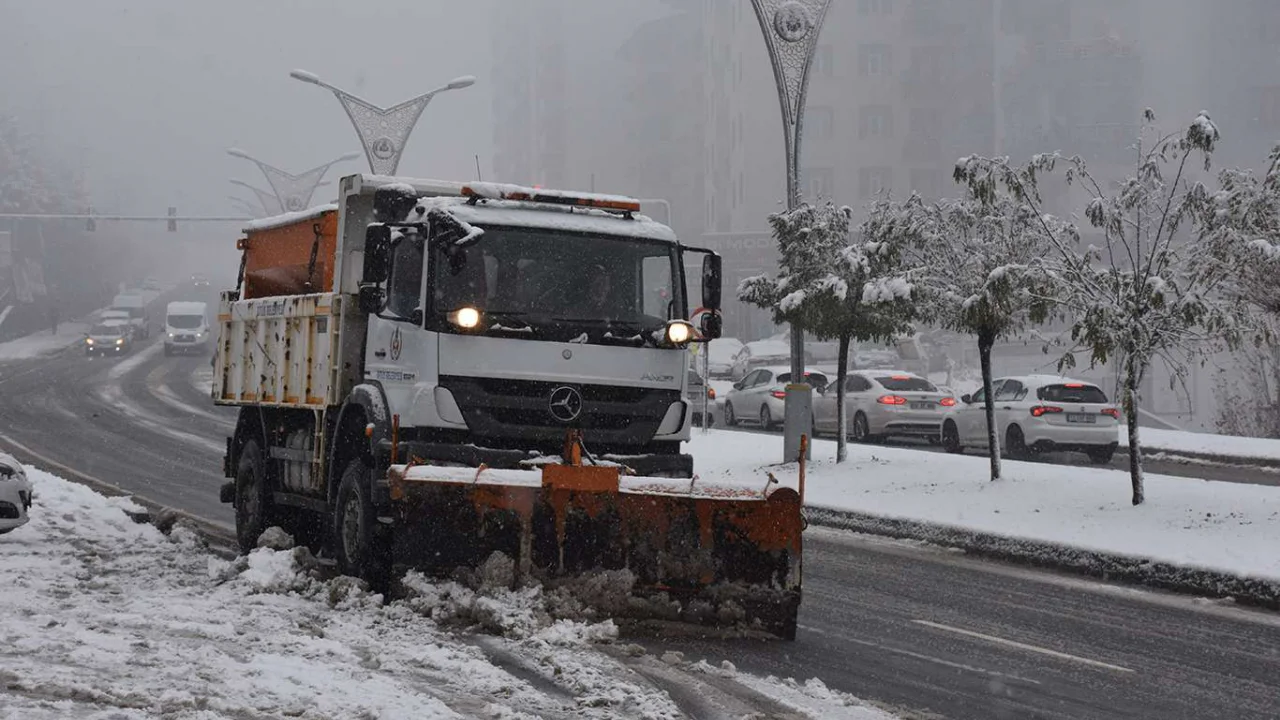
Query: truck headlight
column 466, row 318
column 120, row 341
column 679, row 332
column 88, row 341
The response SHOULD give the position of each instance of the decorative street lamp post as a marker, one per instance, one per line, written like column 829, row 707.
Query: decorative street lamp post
column 383, row 131
column 791, row 29
column 270, row 203
column 292, row 191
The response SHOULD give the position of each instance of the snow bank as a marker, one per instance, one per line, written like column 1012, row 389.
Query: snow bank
column 1227, row 527
column 1177, row 442
column 105, row 618
column 43, row 343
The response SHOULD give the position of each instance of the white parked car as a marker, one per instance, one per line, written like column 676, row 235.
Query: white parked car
column 720, row 362
column 1038, row 413
column 15, row 494
column 760, row 353
column 884, row 403
column 761, row 396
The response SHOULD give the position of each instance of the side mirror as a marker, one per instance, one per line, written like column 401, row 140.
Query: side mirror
column 371, row 299
column 712, row 326
column 737, row 385
column 967, row 399
column 711, row 280
column 416, row 317
column 377, row 254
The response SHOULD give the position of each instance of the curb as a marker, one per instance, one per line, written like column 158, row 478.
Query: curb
column 1107, row 566
column 1207, row 457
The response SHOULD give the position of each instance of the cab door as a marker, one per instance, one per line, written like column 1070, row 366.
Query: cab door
column 400, row 356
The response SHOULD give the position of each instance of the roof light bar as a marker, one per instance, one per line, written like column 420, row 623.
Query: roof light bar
column 512, row 192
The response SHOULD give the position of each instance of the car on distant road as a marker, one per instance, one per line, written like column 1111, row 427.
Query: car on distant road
column 1035, row 414
column 151, row 284
column 759, row 353
column 760, row 396
column 884, row 403
column 15, row 494
column 104, row 339
column 719, row 360
column 200, row 281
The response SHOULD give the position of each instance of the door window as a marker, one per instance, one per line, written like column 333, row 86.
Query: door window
column 980, row 397
column 1010, row 391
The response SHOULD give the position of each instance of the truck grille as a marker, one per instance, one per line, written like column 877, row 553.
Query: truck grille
column 521, row 409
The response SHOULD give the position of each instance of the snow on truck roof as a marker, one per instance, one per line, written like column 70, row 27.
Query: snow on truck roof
column 515, row 205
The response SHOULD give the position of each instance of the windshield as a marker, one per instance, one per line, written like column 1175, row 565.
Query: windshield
column 559, row 283
column 185, row 322
column 906, row 383
column 105, row 330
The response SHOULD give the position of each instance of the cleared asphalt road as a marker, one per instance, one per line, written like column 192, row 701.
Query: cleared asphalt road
column 927, row 631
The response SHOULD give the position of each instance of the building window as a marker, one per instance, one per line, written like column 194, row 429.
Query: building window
column 926, row 122
column 875, row 59
column 875, row 121
column 820, row 122
column 824, row 61
column 819, row 183
column 875, row 7
column 874, row 180
column 928, row 64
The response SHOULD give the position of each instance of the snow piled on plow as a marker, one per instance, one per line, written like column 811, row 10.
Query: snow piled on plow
column 105, row 618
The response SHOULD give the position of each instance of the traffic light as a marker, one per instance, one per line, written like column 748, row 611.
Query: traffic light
column 90, row 225
column 173, row 219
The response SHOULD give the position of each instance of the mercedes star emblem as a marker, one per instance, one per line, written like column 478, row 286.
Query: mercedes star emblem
column 565, row 404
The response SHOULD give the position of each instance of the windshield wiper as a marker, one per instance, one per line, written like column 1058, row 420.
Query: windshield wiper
column 524, row 328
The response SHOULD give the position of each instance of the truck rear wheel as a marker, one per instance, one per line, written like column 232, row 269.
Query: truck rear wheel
column 253, row 510
column 362, row 547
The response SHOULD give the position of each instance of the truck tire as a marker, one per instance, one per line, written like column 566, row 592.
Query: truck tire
column 253, row 503
column 362, row 547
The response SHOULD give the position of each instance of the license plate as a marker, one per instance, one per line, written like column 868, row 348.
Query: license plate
column 1079, row 418
column 922, row 406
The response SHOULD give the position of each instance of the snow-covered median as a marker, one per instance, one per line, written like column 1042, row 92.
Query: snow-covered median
column 1226, row 447
column 1227, row 527
column 105, row 618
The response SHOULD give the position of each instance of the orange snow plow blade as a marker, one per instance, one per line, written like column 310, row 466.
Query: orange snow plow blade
column 703, row 554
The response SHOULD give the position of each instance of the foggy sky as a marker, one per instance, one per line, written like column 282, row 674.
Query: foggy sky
column 147, row 95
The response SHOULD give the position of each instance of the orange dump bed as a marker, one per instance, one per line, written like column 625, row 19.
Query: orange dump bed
column 278, row 259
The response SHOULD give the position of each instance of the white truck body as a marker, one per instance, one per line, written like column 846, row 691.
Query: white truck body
column 136, row 306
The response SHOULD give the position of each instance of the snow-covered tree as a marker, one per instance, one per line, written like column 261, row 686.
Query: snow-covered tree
column 868, row 300
column 976, row 265
column 830, row 287
column 1164, row 282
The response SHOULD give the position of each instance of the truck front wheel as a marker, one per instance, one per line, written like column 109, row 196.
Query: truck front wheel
column 252, row 502
column 362, row 547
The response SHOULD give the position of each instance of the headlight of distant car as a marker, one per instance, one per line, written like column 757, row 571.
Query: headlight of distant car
column 467, row 318
column 171, row 335
column 119, row 341
column 88, row 341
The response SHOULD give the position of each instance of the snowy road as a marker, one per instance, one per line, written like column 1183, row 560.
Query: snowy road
column 915, row 628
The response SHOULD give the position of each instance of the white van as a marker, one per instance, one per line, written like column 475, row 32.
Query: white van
column 186, row 327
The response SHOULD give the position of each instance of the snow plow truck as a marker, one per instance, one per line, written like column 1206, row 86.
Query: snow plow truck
column 431, row 372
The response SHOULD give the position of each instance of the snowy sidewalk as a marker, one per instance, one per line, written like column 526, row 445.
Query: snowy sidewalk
column 105, row 619
column 45, row 343
column 1225, row 527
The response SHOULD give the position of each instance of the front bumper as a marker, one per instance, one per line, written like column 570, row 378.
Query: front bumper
column 470, row 455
